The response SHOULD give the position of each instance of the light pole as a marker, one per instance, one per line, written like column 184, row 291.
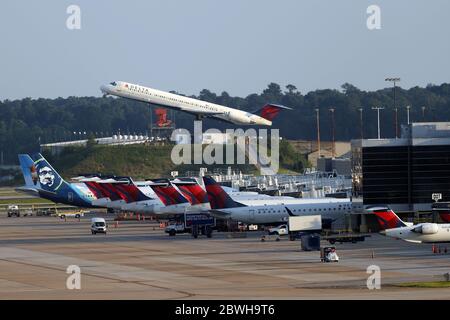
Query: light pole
column 333, row 148
column 361, row 122
column 423, row 113
column 394, row 80
column 396, row 122
column 378, row 114
column 407, row 113
column 318, row 133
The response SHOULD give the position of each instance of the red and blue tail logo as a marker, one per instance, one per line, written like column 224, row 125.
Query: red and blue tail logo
column 217, row 197
column 130, row 193
column 270, row 111
column 96, row 189
column 388, row 219
column 194, row 193
column 168, row 194
column 102, row 190
column 445, row 216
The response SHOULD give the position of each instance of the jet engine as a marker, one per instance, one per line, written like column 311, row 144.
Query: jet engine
column 427, row 228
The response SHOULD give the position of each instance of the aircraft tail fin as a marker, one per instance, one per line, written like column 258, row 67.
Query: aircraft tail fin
column 445, row 216
column 125, row 188
column 387, row 219
column 270, row 111
column 167, row 192
column 38, row 173
column 217, row 197
column 28, row 170
column 192, row 191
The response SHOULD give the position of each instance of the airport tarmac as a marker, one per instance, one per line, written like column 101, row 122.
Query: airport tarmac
column 138, row 261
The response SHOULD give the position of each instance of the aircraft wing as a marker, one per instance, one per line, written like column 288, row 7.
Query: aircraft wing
column 196, row 112
column 28, row 190
column 219, row 213
column 200, row 112
column 34, row 191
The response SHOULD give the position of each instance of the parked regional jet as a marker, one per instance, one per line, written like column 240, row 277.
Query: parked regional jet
column 197, row 107
column 224, row 207
column 393, row 226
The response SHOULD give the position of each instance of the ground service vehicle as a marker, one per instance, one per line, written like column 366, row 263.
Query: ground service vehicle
column 194, row 223
column 328, row 254
column 346, row 237
column 300, row 225
column 13, row 210
column 76, row 214
column 279, row 231
column 98, row 225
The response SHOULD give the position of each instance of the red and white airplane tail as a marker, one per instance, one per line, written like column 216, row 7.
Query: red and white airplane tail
column 387, row 219
column 270, row 111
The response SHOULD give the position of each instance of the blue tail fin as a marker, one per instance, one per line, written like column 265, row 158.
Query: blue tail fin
column 28, row 170
column 42, row 174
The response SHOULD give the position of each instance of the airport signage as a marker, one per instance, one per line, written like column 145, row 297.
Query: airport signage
column 436, row 196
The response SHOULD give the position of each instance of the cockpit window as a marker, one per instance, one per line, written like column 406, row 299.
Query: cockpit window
column 113, row 83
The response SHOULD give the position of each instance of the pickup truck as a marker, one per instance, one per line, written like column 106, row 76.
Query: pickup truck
column 76, row 215
column 173, row 229
column 280, row 230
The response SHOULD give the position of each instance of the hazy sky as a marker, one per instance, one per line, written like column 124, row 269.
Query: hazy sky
column 238, row 46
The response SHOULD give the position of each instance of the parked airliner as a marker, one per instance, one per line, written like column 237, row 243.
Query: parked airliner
column 197, row 107
column 392, row 226
column 258, row 212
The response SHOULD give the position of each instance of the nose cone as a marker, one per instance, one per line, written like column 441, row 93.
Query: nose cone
column 104, row 89
column 383, row 232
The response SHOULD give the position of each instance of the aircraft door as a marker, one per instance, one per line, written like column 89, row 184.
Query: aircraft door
column 252, row 214
column 70, row 196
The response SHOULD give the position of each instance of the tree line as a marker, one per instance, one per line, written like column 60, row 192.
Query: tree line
column 26, row 123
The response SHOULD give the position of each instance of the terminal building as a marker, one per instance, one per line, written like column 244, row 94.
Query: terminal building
column 404, row 173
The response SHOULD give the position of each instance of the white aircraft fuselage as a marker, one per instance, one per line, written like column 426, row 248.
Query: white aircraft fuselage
column 182, row 103
column 421, row 233
column 257, row 213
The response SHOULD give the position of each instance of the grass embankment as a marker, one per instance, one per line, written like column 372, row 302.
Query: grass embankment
column 25, row 201
column 431, row 284
column 132, row 160
column 150, row 161
column 137, row 161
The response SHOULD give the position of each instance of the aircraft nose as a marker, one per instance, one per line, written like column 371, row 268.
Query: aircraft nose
column 104, row 89
column 383, row 232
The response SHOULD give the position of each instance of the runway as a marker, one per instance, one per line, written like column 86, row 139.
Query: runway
column 138, row 261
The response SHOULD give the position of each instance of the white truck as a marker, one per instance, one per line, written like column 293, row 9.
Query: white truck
column 299, row 224
column 195, row 223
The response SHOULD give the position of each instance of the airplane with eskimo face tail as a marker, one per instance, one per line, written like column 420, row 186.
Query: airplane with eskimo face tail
column 42, row 180
column 201, row 109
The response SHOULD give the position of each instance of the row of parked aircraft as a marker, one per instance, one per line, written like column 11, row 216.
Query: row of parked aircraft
column 164, row 198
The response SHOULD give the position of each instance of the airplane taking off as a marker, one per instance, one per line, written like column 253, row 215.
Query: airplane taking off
column 258, row 212
column 393, row 226
column 200, row 108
